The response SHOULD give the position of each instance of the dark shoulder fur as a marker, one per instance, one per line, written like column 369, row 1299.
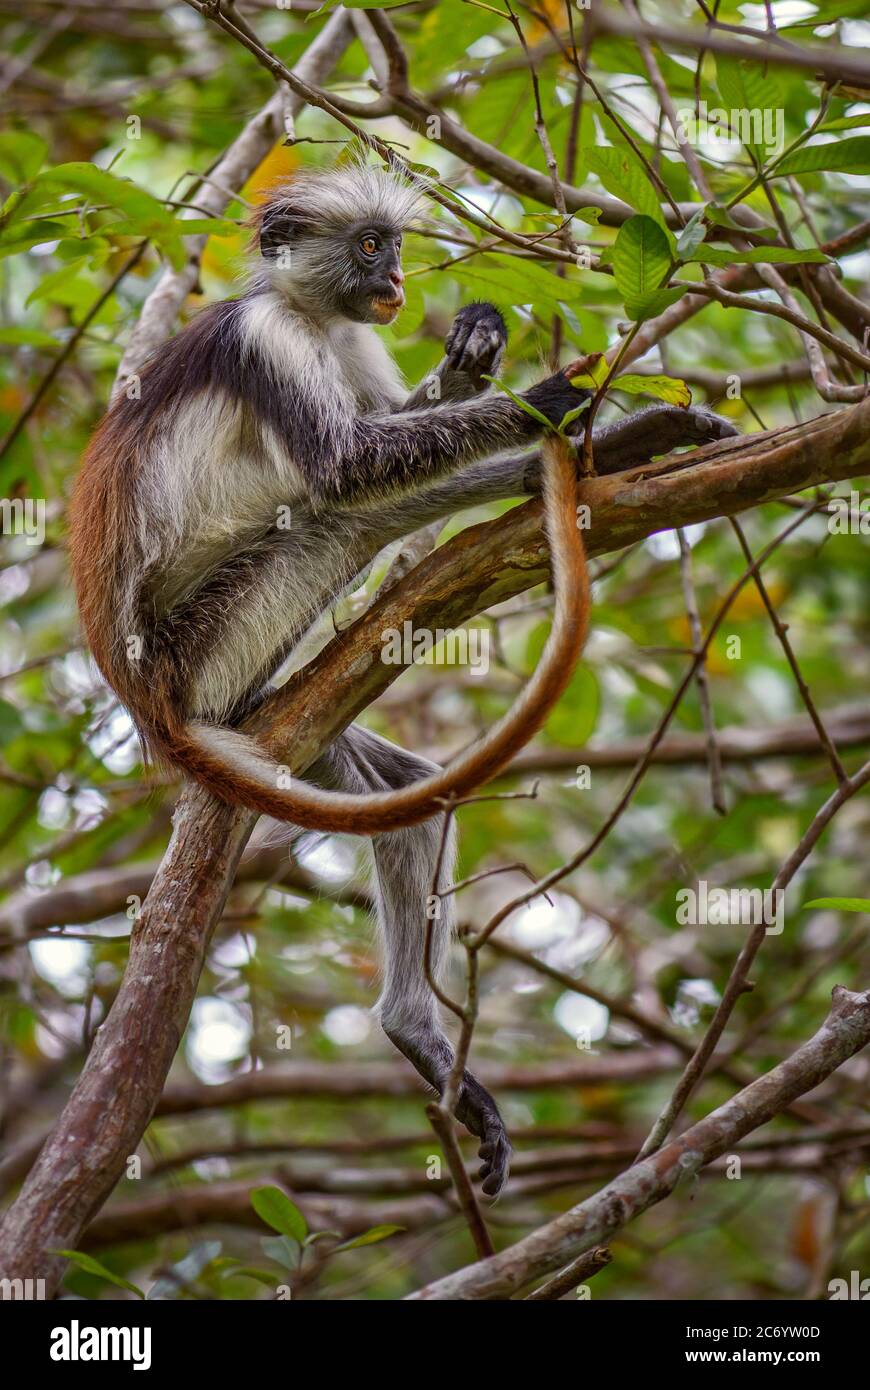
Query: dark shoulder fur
column 209, row 355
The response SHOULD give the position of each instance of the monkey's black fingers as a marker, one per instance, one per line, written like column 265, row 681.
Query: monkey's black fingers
column 703, row 426
column 481, row 354
column 455, row 344
column 495, row 1153
column 477, row 339
column 478, row 1112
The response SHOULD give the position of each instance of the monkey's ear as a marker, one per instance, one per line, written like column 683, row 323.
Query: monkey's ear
column 279, row 227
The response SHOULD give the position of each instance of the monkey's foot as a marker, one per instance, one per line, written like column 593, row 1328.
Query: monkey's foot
column 476, row 340
column 432, row 1056
column 651, row 432
column 477, row 1110
column 697, row 425
column 665, row 427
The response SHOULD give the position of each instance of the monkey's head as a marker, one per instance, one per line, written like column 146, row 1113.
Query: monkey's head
column 331, row 241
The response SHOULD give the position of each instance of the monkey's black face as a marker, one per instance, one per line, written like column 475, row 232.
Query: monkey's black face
column 371, row 290
column 353, row 270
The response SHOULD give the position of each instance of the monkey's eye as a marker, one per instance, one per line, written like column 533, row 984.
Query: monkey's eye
column 369, row 245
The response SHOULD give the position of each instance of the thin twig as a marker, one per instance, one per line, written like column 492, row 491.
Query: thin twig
column 714, row 756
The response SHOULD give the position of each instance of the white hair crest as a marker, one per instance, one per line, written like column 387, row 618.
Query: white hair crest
column 352, row 192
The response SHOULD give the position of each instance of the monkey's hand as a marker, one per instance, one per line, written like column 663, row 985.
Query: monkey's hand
column 554, row 397
column 476, row 342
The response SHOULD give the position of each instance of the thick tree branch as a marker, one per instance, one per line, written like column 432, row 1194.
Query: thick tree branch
column 494, row 561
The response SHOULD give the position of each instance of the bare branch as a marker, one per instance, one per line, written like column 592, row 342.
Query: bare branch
column 595, row 1221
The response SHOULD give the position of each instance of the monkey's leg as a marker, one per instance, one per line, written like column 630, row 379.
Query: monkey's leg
column 493, row 480
column 405, row 863
column 623, row 444
column 657, row 429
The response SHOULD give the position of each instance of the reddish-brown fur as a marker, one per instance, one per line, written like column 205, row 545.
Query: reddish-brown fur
column 101, row 543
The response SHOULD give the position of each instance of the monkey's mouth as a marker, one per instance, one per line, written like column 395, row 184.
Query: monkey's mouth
column 386, row 307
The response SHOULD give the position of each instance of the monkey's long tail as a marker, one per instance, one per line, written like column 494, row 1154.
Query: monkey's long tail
column 233, row 766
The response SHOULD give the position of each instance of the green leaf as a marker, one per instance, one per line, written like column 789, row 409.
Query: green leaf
column 662, row 388
column 751, row 90
column 641, row 261
column 21, row 236
column 841, row 904
column 21, row 155
column 595, row 377
column 11, row 724
column 758, row 255
column 846, row 122
column 315, row 1236
column 570, row 416
column 839, row 156
column 371, row 1237
column 721, row 217
column 27, row 337
column 691, row 236
column 590, row 215
column 508, row 281
column 826, row 14
column 641, row 257
column 443, row 36
column 428, row 171
column 175, row 229
column 148, row 216
column 57, row 280
column 283, row 1250
column 625, row 178
column 185, row 1271
column 352, row 5
column 262, row 1276
column 649, row 305
column 275, row 1208
column 92, row 1266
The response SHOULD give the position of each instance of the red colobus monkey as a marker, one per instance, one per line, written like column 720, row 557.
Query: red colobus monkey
column 192, row 594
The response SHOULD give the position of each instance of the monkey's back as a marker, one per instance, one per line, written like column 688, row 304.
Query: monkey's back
column 192, row 466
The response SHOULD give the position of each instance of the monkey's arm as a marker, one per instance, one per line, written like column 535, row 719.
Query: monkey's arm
column 474, row 348
column 378, row 458
column 623, row 444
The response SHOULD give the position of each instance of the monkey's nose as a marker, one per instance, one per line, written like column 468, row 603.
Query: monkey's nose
column 397, row 278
